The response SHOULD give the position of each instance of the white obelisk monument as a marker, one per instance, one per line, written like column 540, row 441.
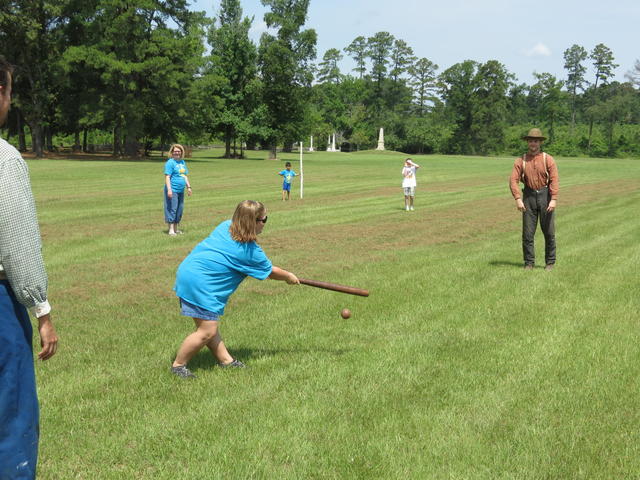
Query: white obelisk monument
column 381, row 140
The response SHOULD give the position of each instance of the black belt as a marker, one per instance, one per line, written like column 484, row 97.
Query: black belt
column 533, row 190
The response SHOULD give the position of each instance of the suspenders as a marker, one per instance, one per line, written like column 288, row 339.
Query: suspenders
column 524, row 164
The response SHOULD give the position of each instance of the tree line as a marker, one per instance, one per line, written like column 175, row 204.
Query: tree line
column 135, row 75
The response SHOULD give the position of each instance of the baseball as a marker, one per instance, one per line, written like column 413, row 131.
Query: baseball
column 345, row 313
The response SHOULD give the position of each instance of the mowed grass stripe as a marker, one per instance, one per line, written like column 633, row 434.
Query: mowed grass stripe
column 459, row 364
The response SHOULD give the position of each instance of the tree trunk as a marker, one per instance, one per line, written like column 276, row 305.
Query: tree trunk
column 84, row 140
column 37, row 139
column 76, row 144
column 131, row 146
column 49, row 138
column 227, row 142
column 22, row 141
column 273, row 153
column 590, row 131
column 117, row 139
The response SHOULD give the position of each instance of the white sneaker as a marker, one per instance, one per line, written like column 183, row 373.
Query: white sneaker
column 411, row 208
column 406, row 207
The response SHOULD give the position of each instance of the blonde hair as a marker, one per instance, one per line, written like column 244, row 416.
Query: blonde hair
column 180, row 147
column 244, row 221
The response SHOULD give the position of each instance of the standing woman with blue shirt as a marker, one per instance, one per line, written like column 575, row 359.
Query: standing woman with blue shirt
column 175, row 183
column 212, row 272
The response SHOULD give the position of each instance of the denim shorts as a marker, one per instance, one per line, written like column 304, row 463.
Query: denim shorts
column 190, row 310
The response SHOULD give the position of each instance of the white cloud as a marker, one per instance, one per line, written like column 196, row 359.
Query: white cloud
column 538, row 50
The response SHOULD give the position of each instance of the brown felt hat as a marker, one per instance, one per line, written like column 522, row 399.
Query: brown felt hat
column 534, row 133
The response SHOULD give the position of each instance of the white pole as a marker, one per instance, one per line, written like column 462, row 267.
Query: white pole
column 301, row 174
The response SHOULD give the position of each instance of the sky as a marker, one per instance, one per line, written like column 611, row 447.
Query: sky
column 526, row 37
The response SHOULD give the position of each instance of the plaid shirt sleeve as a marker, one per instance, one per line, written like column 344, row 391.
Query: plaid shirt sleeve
column 20, row 244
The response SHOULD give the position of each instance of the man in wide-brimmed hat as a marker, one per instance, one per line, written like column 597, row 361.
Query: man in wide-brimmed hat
column 539, row 173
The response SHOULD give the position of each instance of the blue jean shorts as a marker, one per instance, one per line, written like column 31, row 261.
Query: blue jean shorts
column 190, row 310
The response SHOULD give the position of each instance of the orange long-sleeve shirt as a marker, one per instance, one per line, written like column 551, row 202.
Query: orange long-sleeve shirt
column 535, row 176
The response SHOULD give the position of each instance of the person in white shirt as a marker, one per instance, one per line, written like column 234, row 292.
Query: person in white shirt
column 409, row 182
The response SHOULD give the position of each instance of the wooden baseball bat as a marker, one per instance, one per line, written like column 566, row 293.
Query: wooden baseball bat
column 335, row 287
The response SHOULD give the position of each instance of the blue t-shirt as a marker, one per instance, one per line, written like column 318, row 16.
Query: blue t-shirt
column 178, row 170
column 216, row 267
column 288, row 176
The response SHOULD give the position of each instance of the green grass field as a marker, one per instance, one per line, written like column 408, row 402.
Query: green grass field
column 460, row 365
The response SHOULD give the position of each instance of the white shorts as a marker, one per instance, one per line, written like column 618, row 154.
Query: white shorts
column 409, row 191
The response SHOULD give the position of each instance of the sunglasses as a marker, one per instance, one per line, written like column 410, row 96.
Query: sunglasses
column 263, row 220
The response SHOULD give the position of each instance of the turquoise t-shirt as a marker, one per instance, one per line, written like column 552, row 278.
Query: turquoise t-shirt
column 216, row 267
column 177, row 170
column 288, row 175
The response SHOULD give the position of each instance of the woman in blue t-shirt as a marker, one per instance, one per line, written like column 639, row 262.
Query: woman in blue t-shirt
column 175, row 182
column 212, row 272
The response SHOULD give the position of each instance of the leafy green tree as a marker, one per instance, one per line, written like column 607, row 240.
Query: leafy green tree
column 31, row 37
column 379, row 51
column 489, row 106
column 549, row 101
column 284, row 66
column 358, row 51
column 602, row 58
column 518, row 109
column 573, row 58
column 475, row 97
column 329, row 71
column 145, row 65
column 233, row 59
column 423, row 81
column 616, row 106
column 401, row 59
column 457, row 86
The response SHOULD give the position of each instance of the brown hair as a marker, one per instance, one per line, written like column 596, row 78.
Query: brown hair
column 178, row 146
column 6, row 70
column 245, row 219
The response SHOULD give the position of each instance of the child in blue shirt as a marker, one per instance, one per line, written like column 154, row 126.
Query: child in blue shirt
column 288, row 175
column 212, row 272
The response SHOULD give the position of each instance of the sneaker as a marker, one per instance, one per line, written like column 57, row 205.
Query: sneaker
column 549, row 267
column 179, row 232
column 171, row 234
column 182, row 371
column 411, row 208
column 528, row 267
column 232, row 364
column 406, row 208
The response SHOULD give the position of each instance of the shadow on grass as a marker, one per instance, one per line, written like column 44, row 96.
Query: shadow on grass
column 504, row 263
column 204, row 360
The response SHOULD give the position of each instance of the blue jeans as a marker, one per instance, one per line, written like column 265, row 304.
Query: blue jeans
column 173, row 206
column 19, row 429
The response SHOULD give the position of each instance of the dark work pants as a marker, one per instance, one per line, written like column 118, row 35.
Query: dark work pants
column 535, row 202
column 18, row 399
